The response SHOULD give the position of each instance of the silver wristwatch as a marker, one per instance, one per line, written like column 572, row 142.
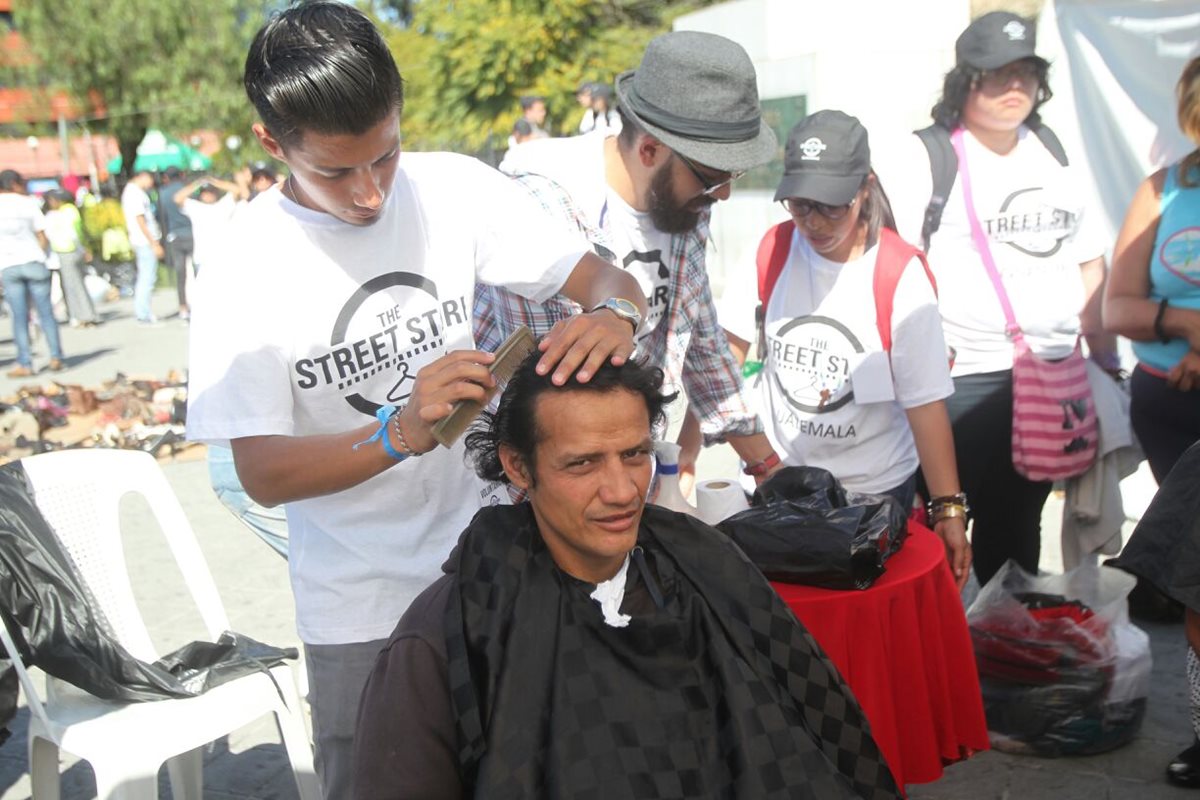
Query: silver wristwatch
column 625, row 309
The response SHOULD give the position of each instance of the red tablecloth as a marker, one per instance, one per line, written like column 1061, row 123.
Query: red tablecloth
column 904, row 649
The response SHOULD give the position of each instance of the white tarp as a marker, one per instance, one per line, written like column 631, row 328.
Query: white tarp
column 1115, row 66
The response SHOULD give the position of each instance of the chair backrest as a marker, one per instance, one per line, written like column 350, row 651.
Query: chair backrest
column 80, row 492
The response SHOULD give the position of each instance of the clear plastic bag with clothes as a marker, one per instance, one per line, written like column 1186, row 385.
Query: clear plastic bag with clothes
column 1062, row 669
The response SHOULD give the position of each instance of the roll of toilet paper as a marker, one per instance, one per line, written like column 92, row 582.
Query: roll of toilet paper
column 718, row 499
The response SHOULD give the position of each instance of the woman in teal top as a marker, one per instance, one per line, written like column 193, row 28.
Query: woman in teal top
column 1153, row 297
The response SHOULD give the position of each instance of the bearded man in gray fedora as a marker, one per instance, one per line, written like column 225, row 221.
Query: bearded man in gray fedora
column 691, row 126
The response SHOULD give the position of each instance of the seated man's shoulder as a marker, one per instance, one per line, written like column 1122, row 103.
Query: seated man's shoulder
column 423, row 619
column 405, row 741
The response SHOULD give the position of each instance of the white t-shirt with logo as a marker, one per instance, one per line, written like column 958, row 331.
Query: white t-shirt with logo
column 1039, row 230
column 828, row 395
column 20, row 219
column 314, row 323
column 136, row 203
column 643, row 251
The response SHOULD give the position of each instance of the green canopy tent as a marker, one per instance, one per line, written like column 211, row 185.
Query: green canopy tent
column 158, row 151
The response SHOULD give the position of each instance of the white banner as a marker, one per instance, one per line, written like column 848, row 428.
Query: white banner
column 1115, row 64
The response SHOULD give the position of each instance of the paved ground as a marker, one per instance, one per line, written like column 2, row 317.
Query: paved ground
column 253, row 585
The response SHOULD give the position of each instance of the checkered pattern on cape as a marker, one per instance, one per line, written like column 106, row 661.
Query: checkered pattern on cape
column 723, row 693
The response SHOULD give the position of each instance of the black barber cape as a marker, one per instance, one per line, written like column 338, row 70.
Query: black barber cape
column 720, row 693
column 1165, row 545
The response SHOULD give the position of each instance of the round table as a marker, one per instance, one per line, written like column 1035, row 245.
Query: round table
column 904, row 649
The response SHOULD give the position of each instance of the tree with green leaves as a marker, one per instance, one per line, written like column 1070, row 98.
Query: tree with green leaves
column 174, row 64
column 466, row 63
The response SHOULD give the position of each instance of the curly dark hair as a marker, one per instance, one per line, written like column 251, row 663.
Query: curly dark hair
column 959, row 82
column 514, row 422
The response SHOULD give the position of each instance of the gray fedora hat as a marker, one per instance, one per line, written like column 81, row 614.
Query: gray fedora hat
column 697, row 94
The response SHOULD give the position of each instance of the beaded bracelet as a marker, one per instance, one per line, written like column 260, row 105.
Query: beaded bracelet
column 404, row 445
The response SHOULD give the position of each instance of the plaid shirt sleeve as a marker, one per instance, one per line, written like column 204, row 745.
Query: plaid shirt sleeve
column 499, row 311
column 710, row 374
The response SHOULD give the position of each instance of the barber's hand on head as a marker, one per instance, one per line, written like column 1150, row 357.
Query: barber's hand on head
column 953, row 533
column 1185, row 376
column 460, row 375
column 582, row 343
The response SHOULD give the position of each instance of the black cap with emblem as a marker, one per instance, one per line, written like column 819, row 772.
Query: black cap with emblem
column 826, row 159
column 996, row 39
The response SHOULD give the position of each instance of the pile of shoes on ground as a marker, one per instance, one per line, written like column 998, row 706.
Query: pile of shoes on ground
column 126, row 412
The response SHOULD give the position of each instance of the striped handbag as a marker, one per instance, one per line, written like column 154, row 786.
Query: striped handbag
column 1054, row 430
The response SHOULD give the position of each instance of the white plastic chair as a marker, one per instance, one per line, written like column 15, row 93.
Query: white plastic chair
column 79, row 492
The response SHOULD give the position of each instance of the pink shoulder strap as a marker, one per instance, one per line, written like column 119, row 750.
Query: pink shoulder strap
column 981, row 242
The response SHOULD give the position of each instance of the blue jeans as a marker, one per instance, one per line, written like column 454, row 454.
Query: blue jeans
column 269, row 524
column 20, row 282
column 147, row 276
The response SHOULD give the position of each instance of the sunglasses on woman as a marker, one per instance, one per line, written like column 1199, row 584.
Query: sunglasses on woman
column 799, row 207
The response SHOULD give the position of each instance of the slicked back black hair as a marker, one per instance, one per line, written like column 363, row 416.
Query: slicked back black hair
column 321, row 66
column 514, row 422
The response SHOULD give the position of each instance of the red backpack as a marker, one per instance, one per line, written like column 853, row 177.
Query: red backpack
column 894, row 255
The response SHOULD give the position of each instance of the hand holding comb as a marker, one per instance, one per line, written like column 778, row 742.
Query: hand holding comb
column 509, row 356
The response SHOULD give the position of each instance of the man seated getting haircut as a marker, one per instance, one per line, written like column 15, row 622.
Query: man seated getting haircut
column 584, row 644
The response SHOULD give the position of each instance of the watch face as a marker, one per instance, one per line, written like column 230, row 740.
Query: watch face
column 623, row 306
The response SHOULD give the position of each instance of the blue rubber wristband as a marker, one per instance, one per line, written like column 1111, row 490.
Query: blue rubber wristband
column 384, row 415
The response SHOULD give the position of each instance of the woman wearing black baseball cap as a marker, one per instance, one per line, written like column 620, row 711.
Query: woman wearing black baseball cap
column 854, row 370
column 1032, row 212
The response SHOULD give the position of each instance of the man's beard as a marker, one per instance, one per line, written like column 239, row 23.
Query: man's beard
column 665, row 213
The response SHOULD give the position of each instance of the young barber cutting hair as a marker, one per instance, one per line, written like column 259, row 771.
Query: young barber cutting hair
column 343, row 332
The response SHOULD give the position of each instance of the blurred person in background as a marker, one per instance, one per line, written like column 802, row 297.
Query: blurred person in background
column 583, row 96
column 604, row 116
column 64, row 229
column 145, row 239
column 209, row 204
column 177, row 236
column 23, row 270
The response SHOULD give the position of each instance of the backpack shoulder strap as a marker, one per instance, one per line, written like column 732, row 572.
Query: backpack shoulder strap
column 772, row 255
column 1050, row 140
column 943, row 167
column 893, row 256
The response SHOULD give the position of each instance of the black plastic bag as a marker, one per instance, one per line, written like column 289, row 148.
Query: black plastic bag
column 804, row 527
column 43, row 604
column 199, row 666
